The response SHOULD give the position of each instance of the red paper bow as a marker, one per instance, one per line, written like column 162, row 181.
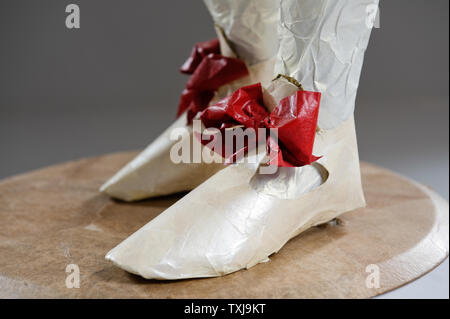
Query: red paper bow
column 295, row 118
column 210, row 71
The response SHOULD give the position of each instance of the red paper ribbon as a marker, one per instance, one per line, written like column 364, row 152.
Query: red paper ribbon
column 295, row 117
column 209, row 71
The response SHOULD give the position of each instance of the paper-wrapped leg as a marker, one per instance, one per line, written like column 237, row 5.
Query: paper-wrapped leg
column 152, row 173
column 322, row 45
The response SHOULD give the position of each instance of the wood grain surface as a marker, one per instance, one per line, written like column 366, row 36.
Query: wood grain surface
column 55, row 216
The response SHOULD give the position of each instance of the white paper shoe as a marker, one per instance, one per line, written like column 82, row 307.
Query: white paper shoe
column 152, row 173
column 238, row 218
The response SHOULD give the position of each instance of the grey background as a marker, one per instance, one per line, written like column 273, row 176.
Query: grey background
column 114, row 85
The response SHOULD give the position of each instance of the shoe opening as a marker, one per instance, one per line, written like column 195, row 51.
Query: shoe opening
column 290, row 182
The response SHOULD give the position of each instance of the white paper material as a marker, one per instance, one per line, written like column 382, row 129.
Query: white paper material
column 275, row 91
column 322, row 46
column 238, row 217
column 250, row 25
column 152, row 173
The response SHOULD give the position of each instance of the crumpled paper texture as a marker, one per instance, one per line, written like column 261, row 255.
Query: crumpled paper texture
column 322, row 45
column 294, row 119
column 250, row 25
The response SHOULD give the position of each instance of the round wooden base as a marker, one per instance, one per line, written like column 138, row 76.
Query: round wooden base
column 55, row 217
